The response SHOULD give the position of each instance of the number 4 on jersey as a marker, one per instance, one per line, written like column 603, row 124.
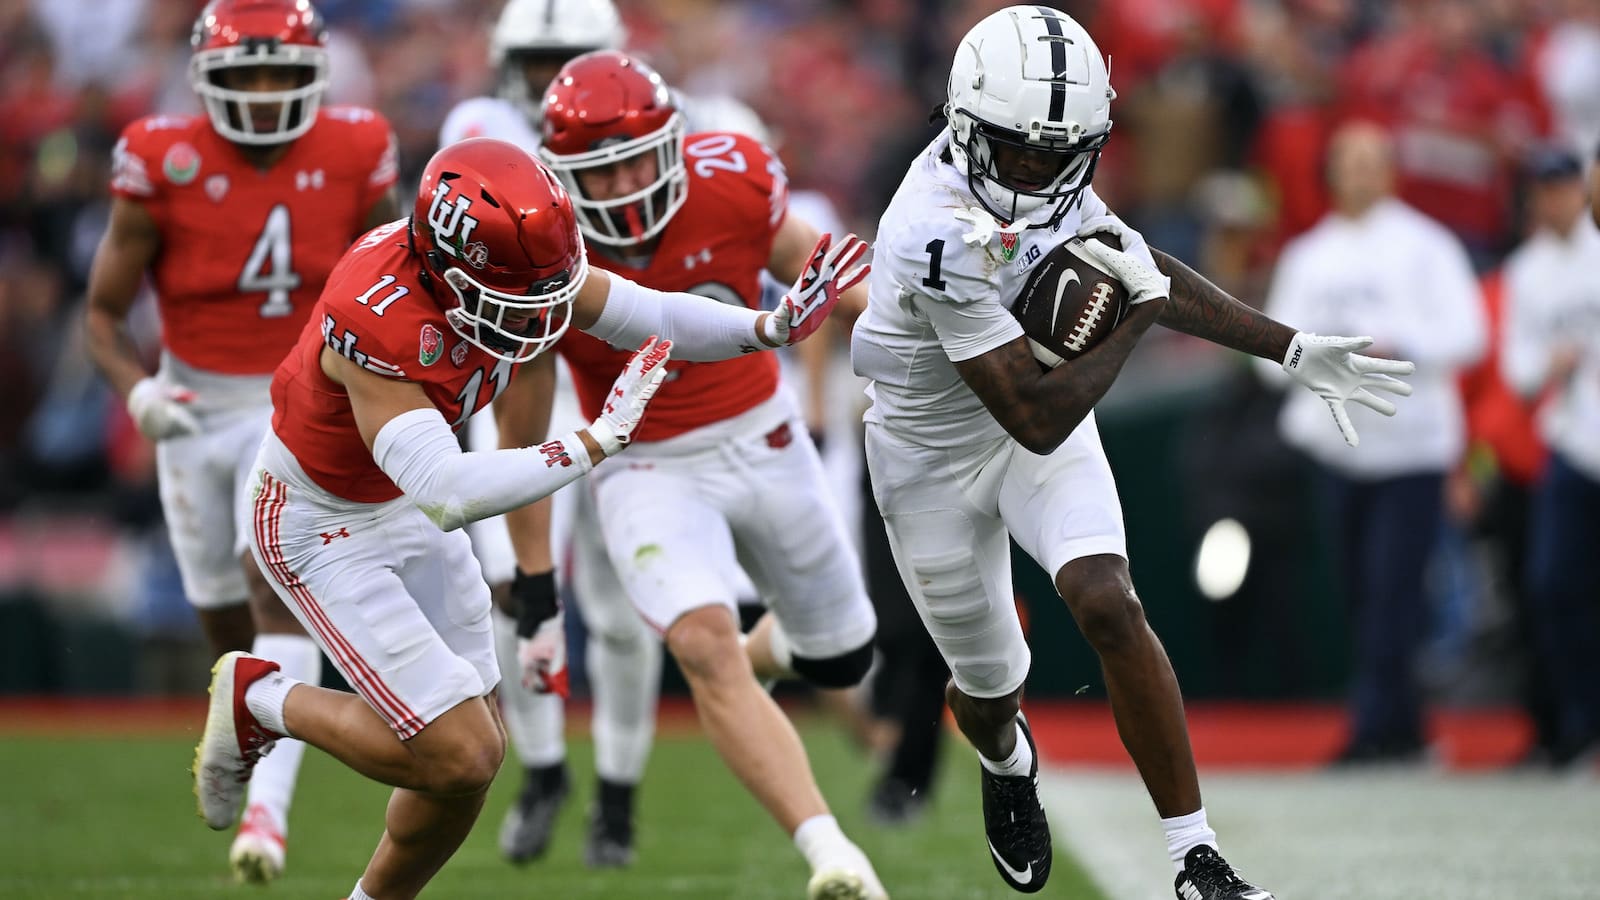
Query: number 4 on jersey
column 270, row 267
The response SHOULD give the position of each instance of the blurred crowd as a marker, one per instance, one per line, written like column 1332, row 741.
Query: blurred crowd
column 1223, row 111
column 1219, row 155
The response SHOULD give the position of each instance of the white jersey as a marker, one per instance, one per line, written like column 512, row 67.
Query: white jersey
column 1405, row 280
column 940, row 292
column 488, row 117
column 1552, row 298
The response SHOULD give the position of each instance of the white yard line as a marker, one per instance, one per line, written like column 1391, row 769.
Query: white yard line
column 1383, row 835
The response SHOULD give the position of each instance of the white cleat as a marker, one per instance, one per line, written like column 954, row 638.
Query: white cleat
column 849, row 877
column 233, row 740
column 835, row 884
column 258, row 850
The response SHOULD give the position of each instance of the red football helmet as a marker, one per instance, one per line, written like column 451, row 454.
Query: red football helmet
column 496, row 227
column 605, row 108
column 232, row 34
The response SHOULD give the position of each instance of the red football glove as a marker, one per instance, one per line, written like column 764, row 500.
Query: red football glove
column 543, row 659
column 541, row 637
column 832, row 270
column 624, row 407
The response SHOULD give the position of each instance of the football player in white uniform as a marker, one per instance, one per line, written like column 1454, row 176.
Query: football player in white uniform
column 969, row 441
column 530, row 42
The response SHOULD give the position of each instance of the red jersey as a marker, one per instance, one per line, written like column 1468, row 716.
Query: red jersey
column 375, row 312
column 1456, row 120
column 244, row 252
column 716, row 246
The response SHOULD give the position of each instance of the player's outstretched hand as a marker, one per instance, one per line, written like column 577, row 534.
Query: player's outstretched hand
column 160, row 410
column 631, row 392
column 833, row 269
column 1330, row 368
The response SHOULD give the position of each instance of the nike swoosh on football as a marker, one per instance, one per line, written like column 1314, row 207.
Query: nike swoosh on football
column 1022, row 877
column 1061, row 288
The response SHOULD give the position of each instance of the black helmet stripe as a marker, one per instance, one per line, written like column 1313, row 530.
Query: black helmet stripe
column 1058, row 62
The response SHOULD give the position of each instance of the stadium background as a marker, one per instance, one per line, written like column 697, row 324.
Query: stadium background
column 1222, row 111
column 1222, row 114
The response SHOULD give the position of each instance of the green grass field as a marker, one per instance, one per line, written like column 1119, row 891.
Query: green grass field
column 114, row 818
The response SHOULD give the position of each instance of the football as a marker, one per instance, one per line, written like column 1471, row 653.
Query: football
column 1069, row 304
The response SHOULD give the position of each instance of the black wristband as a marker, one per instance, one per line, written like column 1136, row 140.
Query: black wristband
column 534, row 597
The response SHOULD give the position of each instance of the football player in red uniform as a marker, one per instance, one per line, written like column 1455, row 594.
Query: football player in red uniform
column 237, row 216
column 724, row 469
column 361, row 488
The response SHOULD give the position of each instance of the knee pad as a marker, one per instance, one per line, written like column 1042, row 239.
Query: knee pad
column 845, row 670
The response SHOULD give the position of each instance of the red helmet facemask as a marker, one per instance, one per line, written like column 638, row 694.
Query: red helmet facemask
column 608, row 109
column 236, row 34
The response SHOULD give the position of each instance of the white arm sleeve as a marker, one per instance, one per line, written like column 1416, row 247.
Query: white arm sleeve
column 700, row 329
column 417, row 450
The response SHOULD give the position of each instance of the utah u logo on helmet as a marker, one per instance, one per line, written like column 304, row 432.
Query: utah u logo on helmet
column 451, row 225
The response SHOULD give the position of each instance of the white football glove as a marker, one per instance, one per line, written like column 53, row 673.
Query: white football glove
column 832, row 270
column 158, row 409
column 1143, row 282
column 543, row 658
column 624, row 408
column 1328, row 366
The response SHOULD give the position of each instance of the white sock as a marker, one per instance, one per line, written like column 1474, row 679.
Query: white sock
column 534, row 722
column 299, row 661
column 264, row 698
column 819, row 837
column 1020, row 762
column 1184, row 833
column 625, row 676
column 356, row 893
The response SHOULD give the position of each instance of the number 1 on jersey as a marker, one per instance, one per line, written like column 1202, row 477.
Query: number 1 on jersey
column 270, row 267
column 935, row 250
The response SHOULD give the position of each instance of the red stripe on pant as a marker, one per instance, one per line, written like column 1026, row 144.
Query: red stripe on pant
column 269, row 510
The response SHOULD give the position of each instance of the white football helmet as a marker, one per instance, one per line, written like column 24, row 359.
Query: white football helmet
column 552, row 30
column 1031, row 78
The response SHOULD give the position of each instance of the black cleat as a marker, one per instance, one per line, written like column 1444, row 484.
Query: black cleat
column 530, row 822
column 895, row 804
column 611, row 828
column 1207, row 876
column 1014, row 821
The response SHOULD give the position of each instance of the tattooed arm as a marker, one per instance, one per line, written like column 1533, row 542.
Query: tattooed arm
column 1041, row 408
column 1200, row 308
